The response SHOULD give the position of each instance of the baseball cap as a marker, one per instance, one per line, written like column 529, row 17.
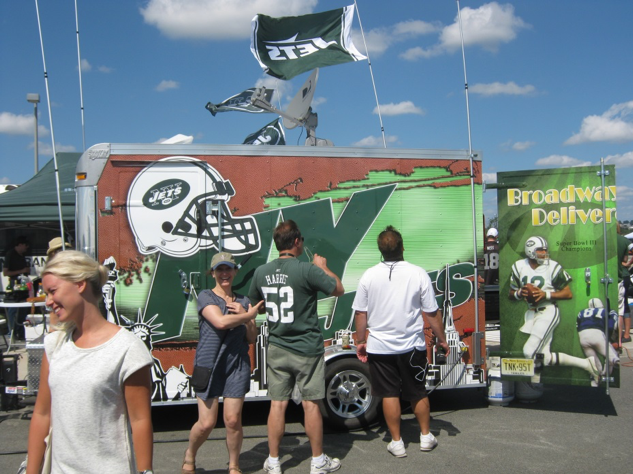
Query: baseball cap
column 492, row 232
column 55, row 244
column 223, row 258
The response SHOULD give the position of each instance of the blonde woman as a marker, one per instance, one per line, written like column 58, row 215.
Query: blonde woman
column 227, row 326
column 94, row 381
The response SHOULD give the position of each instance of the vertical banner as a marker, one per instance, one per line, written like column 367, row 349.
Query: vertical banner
column 552, row 252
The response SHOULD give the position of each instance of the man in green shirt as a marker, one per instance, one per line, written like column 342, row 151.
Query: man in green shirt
column 295, row 344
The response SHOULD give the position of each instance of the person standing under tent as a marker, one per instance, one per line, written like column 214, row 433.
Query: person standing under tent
column 15, row 264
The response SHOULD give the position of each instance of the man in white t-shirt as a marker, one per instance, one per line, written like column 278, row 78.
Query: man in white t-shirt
column 393, row 300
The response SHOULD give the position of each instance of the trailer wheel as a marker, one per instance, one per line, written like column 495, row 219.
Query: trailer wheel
column 348, row 402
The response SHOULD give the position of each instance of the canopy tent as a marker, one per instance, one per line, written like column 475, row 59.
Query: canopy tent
column 36, row 200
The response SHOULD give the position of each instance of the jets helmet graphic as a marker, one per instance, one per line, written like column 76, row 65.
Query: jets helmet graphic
column 537, row 243
column 178, row 206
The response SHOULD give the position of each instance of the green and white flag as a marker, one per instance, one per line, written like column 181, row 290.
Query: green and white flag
column 239, row 102
column 288, row 46
column 271, row 134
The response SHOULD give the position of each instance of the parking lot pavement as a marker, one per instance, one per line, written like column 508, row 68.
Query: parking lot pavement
column 567, row 430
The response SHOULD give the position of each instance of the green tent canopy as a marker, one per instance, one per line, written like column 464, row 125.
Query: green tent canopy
column 36, row 200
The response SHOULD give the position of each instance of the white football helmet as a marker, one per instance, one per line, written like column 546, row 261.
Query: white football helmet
column 178, row 205
column 532, row 245
column 595, row 303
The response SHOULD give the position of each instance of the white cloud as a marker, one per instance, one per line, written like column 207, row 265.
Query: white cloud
column 166, row 85
column 46, row 149
column 372, row 141
column 380, row 39
column 87, row 67
column 623, row 192
column 401, row 108
column 615, row 125
column 489, row 177
column 283, row 90
column 620, row 161
column 498, row 88
column 318, row 101
column 561, row 160
column 216, row 19
column 177, row 139
column 417, row 52
column 13, row 124
column 522, row 146
column 488, row 26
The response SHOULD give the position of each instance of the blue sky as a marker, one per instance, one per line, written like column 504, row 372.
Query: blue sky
column 549, row 81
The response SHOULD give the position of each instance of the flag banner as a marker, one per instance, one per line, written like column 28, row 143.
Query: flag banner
column 271, row 134
column 288, row 46
column 240, row 102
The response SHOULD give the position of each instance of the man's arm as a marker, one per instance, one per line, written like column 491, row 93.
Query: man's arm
column 236, row 315
column 321, row 262
column 255, row 295
column 435, row 321
column 360, row 318
column 9, row 273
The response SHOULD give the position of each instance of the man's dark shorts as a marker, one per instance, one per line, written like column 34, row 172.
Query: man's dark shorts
column 399, row 375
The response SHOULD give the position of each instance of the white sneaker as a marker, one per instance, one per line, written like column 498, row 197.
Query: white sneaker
column 329, row 465
column 276, row 469
column 427, row 442
column 397, row 449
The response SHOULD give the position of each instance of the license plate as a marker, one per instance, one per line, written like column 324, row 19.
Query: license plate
column 15, row 390
column 517, row 367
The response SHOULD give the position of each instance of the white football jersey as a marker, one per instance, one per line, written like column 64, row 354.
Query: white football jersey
column 547, row 277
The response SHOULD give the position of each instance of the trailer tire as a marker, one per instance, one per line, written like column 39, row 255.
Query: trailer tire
column 348, row 403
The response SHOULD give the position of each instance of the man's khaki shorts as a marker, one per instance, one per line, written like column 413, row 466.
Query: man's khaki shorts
column 286, row 368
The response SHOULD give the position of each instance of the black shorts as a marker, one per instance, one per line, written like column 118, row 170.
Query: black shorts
column 399, row 375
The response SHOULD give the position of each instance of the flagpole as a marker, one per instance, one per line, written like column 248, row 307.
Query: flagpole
column 371, row 73
column 50, row 119
column 472, row 190
column 81, row 91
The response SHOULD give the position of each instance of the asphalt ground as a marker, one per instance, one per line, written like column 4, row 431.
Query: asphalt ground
column 567, row 430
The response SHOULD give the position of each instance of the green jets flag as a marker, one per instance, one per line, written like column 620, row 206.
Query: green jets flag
column 288, row 46
column 271, row 134
column 239, row 102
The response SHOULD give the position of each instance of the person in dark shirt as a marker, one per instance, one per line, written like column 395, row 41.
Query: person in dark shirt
column 15, row 264
column 491, row 257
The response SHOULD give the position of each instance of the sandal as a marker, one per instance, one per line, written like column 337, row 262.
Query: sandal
column 233, row 468
column 188, row 463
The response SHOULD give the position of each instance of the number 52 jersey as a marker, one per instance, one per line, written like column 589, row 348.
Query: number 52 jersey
column 290, row 289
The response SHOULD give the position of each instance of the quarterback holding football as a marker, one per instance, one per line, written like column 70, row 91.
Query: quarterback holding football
column 540, row 282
